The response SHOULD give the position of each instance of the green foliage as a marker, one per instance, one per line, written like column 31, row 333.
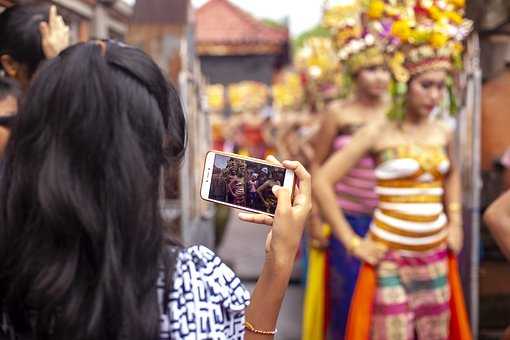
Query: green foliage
column 317, row 31
column 398, row 93
column 274, row 23
column 453, row 105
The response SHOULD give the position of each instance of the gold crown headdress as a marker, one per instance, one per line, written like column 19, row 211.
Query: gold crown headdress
column 317, row 59
column 215, row 97
column 247, row 96
column 422, row 35
column 319, row 64
column 357, row 47
column 288, row 92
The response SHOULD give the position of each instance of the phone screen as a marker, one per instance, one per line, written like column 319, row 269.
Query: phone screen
column 244, row 183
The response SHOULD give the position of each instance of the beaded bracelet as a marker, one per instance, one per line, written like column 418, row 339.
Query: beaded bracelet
column 252, row 329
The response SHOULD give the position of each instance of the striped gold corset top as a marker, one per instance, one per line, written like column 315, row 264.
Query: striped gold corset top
column 410, row 213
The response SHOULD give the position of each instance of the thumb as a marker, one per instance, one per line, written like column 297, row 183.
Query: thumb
column 44, row 29
column 283, row 196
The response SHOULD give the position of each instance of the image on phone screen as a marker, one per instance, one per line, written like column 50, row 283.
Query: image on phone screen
column 244, row 183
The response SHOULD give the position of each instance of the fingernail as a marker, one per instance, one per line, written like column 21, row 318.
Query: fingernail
column 275, row 189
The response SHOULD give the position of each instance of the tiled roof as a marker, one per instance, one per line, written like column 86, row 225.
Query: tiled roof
column 220, row 22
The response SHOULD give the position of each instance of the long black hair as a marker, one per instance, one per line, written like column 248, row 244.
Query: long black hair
column 9, row 87
column 81, row 237
column 19, row 34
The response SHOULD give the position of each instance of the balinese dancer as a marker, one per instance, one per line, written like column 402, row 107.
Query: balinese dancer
column 249, row 125
column 216, row 106
column 236, row 182
column 408, row 287
column 367, row 81
column 288, row 105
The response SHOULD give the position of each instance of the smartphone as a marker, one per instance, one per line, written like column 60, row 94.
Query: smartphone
column 242, row 182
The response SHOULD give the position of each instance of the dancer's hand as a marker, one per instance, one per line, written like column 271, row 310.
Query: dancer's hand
column 287, row 226
column 369, row 251
column 55, row 34
column 455, row 238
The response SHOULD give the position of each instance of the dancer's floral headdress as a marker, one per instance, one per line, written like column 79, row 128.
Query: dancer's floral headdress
column 215, row 97
column 320, row 68
column 421, row 35
column 357, row 47
column 288, row 91
column 247, row 96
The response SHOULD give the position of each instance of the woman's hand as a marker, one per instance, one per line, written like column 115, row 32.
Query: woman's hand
column 55, row 34
column 455, row 238
column 287, row 226
column 369, row 251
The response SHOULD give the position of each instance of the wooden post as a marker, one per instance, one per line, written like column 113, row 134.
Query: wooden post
column 469, row 138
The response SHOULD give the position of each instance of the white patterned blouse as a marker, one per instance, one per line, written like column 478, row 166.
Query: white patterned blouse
column 207, row 301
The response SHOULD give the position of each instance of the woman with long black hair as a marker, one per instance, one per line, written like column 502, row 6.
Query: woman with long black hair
column 83, row 253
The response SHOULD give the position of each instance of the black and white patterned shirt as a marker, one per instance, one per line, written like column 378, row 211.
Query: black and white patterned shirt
column 207, row 301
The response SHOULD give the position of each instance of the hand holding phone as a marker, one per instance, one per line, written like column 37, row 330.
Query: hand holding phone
column 290, row 217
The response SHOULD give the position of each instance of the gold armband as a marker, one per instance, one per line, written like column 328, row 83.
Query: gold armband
column 454, row 207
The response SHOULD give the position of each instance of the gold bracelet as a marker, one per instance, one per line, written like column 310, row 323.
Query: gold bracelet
column 252, row 329
column 354, row 243
column 454, row 207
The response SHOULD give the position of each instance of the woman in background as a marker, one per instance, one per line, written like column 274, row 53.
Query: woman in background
column 30, row 34
column 367, row 101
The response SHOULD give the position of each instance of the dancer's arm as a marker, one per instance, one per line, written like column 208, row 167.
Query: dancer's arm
column 453, row 202
column 324, row 139
column 322, row 144
column 337, row 166
column 260, row 189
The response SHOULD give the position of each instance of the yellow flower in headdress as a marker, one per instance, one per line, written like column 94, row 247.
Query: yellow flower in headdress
column 458, row 48
column 288, row 92
column 455, row 17
column 339, row 14
column 419, row 36
column 438, row 39
column 396, row 65
column 318, row 58
column 458, row 3
column 436, row 13
column 376, row 9
column 215, row 97
column 402, row 30
column 235, row 97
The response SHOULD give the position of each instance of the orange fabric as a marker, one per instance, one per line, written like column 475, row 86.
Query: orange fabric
column 358, row 324
column 459, row 322
column 360, row 315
